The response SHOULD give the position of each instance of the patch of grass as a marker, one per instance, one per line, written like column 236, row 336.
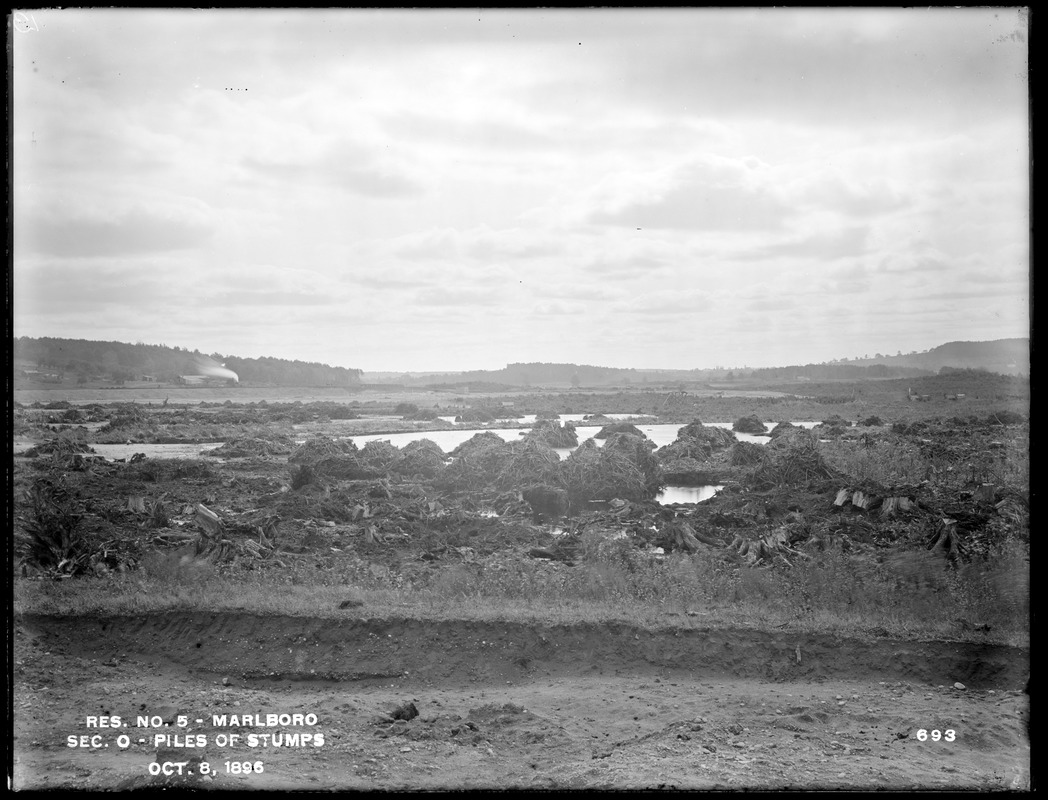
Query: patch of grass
column 828, row 593
column 176, row 569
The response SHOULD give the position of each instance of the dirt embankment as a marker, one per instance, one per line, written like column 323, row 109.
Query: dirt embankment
column 353, row 648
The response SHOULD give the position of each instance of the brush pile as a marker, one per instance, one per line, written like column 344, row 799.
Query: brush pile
column 833, row 426
column 605, row 473
column 477, row 442
column 319, row 448
column 379, row 454
column 422, row 458
column 638, row 449
column 781, row 428
column 128, row 415
column 746, row 454
column 60, row 446
column 696, row 441
column 254, row 447
column 618, row 427
column 750, row 424
column 493, row 463
column 553, row 434
column 333, row 459
column 791, row 459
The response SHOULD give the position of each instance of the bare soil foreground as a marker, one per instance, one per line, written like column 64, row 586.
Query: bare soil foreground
column 507, row 705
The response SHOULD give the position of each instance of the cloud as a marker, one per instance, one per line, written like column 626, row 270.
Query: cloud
column 54, row 288
column 348, row 167
column 844, row 280
column 697, row 196
column 861, row 196
column 133, row 232
column 466, row 134
column 889, row 66
column 764, row 305
column 912, row 264
column 460, row 297
column 665, row 303
column 479, row 244
column 845, row 243
column 637, row 266
column 557, row 308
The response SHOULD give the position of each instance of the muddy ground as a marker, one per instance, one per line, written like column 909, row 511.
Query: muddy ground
column 502, row 706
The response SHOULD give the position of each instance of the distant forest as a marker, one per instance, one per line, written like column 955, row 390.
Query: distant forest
column 817, row 372
column 65, row 360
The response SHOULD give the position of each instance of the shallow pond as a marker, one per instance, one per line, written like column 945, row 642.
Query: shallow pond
column 113, row 452
column 661, row 434
column 686, row 494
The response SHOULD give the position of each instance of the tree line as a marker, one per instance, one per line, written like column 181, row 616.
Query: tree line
column 83, row 361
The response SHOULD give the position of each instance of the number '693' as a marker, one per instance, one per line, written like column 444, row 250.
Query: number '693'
column 947, row 735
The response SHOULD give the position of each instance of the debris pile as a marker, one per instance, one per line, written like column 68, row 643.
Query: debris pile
column 59, row 446
column 746, row 454
column 477, row 442
column 605, row 473
column 749, row 424
column 333, row 459
column 319, row 448
column 254, row 447
column 618, row 427
column 379, row 454
column 781, row 428
column 696, row 441
column 553, row 433
column 789, row 459
column 502, row 465
column 223, row 541
column 421, row 458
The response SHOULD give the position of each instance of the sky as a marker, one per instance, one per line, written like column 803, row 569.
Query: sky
column 444, row 190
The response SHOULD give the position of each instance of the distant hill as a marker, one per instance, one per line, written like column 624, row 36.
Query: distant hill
column 64, row 361
column 1005, row 356
column 567, row 375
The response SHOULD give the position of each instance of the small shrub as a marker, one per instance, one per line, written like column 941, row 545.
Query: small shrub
column 52, row 537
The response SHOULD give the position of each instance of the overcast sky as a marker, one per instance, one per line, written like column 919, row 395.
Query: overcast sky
column 446, row 190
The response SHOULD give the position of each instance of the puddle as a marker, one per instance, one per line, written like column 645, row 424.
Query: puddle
column 113, row 452
column 686, row 494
